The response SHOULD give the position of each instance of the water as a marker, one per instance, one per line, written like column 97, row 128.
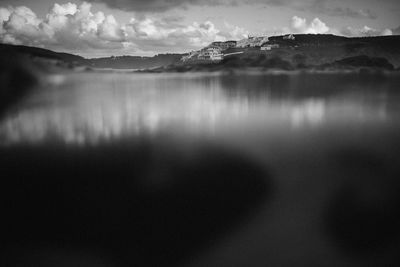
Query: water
column 275, row 169
column 91, row 108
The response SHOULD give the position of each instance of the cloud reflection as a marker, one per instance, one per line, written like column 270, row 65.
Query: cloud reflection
column 88, row 113
column 311, row 112
column 90, row 108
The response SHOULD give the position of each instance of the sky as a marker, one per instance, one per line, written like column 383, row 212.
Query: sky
column 97, row 28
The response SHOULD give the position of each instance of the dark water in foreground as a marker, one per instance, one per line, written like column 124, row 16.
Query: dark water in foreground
column 114, row 169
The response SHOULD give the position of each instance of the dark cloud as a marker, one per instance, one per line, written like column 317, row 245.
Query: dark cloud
column 396, row 31
column 315, row 6
column 322, row 7
column 159, row 5
column 163, row 5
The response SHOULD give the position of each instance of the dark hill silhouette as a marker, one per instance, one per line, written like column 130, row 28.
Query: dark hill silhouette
column 42, row 53
column 17, row 76
column 122, row 62
column 392, row 41
column 326, row 48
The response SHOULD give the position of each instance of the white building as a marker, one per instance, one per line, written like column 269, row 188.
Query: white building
column 211, row 54
column 289, row 37
column 190, row 56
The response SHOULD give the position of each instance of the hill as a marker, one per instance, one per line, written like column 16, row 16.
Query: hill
column 304, row 51
column 35, row 52
column 309, row 51
column 317, row 49
column 18, row 73
column 70, row 60
column 134, row 62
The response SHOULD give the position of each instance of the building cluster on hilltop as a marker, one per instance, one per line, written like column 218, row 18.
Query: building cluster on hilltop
column 216, row 51
column 224, row 45
column 252, row 41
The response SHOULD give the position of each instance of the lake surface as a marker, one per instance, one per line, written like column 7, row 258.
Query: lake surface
column 96, row 107
column 251, row 169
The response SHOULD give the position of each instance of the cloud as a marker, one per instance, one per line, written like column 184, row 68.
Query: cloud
column 299, row 25
column 164, row 5
column 396, row 31
column 160, row 5
column 21, row 22
column 75, row 28
column 234, row 32
column 67, row 26
column 321, row 7
column 365, row 31
column 4, row 16
column 316, row 26
column 157, row 34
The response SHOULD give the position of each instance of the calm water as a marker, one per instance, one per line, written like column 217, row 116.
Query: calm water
column 275, row 169
column 83, row 109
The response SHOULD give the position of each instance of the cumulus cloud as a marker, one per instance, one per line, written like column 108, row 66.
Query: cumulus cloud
column 23, row 22
column 67, row 26
column 158, row 34
column 234, row 32
column 300, row 25
column 75, row 28
column 316, row 26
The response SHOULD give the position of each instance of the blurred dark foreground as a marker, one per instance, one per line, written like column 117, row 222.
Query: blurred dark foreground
column 147, row 203
column 121, row 204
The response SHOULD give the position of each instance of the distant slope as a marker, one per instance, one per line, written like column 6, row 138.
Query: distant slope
column 310, row 51
column 390, row 43
column 325, row 48
column 42, row 53
column 134, row 62
column 123, row 62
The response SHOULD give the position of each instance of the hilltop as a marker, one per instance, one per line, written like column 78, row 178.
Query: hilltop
column 320, row 49
column 35, row 52
column 298, row 51
column 301, row 51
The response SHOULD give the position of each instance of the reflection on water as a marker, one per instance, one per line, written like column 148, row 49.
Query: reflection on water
column 88, row 108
